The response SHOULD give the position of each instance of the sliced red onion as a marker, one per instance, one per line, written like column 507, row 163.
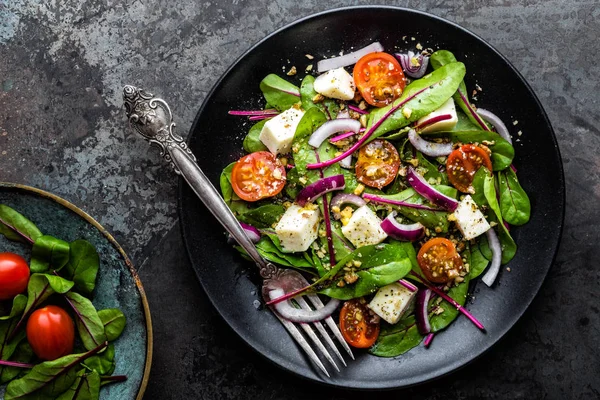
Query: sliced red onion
column 343, row 136
column 496, row 248
column 431, row 149
column 398, row 231
column 346, row 162
column 414, row 71
column 253, row 112
column 252, row 233
column 408, row 285
column 293, row 314
column 319, row 188
column 421, row 311
column 343, row 114
column 261, row 117
column 428, row 339
column 450, row 300
column 429, row 192
column 472, row 111
column 497, row 122
column 514, row 169
column 377, row 199
column 346, row 198
column 347, row 59
column 331, row 127
column 433, row 120
column 357, row 109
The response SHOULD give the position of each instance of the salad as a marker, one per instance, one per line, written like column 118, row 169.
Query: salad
column 383, row 184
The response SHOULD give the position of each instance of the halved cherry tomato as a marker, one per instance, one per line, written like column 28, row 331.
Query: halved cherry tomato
column 14, row 275
column 378, row 163
column 463, row 163
column 258, row 175
column 379, row 78
column 439, row 260
column 356, row 324
column 50, row 332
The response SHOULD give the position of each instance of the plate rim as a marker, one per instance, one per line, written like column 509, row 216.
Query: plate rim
column 138, row 283
column 561, row 181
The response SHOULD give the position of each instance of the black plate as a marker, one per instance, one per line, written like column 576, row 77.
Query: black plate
column 217, row 139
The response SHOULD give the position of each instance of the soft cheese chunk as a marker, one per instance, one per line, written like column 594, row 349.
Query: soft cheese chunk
column 278, row 132
column 469, row 219
column 297, row 228
column 335, row 83
column 364, row 228
column 447, row 108
column 391, row 302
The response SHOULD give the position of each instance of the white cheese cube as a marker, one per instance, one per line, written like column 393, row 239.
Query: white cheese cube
column 364, row 228
column 447, row 108
column 297, row 228
column 278, row 132
column 336, row 84
column 469, row 218
column 391, row 302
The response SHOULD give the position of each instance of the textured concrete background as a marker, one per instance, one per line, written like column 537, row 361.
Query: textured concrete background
column 62, row 67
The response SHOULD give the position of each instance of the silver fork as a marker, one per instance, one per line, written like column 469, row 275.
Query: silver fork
column 152, row 118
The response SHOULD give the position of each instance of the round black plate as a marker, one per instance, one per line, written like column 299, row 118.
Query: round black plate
column 216, row 139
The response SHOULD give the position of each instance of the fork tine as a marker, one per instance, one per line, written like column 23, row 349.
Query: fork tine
column 313, row 336
column 331, row 324
column 295, row 333
column 322, row 331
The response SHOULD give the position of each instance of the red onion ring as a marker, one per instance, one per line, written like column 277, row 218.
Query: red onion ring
column 431, row 149
column 429, row 192
column 433, row 120
column 497, row 122
column 347, row 59
column 357, row 109
column 319, row 188
column 403, row 232
column 492, row 272
column 347, row 198
column 252, row 233
column 346, row 162
column 428, row 339
column 293, row 314
column 412, row 70
column 377, row 199
column 331, row 127
column 421, row 311
column 244, row 113
column 343, row 136
column 343, row 114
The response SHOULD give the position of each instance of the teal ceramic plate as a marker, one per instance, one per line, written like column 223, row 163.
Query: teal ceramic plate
column 117, row 285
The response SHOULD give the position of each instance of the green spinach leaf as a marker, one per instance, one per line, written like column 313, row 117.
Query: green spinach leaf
column 82, row 267
column 279, row 93
column 114, row 322
column 459, row 294
column 262, row 216
column 270, row 248
column 16, row 227
column 89, row 324
column 252, row 142
column 397, row 339
column 514, row 202
column 49, row 253
column 477, row 262
column 421, row 97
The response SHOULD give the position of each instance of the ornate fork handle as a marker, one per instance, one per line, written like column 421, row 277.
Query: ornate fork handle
column 152, row 118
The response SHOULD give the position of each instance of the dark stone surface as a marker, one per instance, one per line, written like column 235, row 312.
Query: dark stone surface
column 62, row 67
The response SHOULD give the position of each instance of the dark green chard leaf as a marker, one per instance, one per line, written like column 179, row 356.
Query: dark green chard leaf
column 16, row 227
column 251, row 142
column 85, row 387
column 49, row 253
column 47, row 380
column 23, row 354
column 379, row 265
column 279, row 93
column 103, row 363
column 262, row 216
column 114, row 322
column 39, row 288
column 430, row 219
column 89, row 324
column 514, row 202
column 307, row 93
column 397, row 339
column 459, row 294
column 18, row 306
column 502, row 151
column 82, row 267
column 8, row 341
column 421, row 97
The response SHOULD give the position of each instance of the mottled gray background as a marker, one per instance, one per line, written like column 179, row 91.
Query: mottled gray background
column 62, row 67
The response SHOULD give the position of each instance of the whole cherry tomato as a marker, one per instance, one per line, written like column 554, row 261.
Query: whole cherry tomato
column 50, row 332
column 14, row 275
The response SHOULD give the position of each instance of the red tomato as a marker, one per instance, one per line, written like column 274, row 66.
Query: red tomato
column 356, row 324
column 377, row 163
column 439, row 260
column 50, row 332
column 379, row 78
column 463, row 163
column 258, row 175
column 14, row 275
